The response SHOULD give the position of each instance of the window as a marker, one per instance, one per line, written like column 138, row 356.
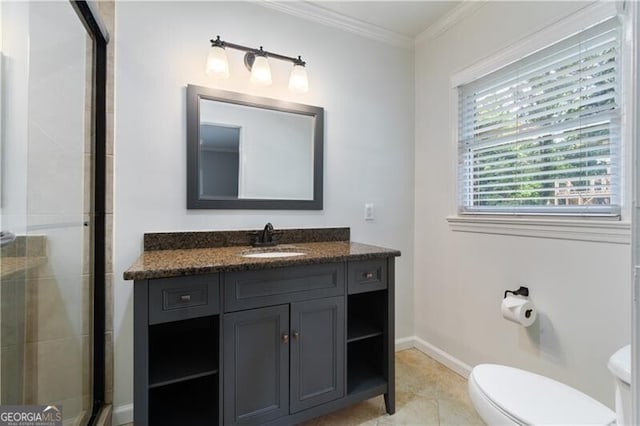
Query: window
column 542, row 135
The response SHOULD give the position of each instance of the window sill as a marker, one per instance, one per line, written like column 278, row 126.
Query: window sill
column 601, row 231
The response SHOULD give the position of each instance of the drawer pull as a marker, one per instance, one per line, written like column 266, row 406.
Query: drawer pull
column 285, row 338
column 185, row 298
column 368, row 275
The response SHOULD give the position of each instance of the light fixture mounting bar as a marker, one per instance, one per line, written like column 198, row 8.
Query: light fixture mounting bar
column 260, row 51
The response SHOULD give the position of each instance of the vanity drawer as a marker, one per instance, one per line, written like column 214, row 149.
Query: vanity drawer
column 175, row 299
column 367, row 275
column 252, row 289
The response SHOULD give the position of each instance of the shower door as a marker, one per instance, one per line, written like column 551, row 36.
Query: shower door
column 46, row 209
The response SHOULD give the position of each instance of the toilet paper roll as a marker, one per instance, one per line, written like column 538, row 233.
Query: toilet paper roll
column 518, row 310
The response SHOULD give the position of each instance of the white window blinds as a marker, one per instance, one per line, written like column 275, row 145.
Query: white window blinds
column 542, row 135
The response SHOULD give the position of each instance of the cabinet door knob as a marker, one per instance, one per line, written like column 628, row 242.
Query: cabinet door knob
column 296, row 335
column 285, row 338
column 185, row 298
column 368, row 275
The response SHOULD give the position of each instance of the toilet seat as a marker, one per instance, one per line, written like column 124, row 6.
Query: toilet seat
column 488, row 411
column 506, row 395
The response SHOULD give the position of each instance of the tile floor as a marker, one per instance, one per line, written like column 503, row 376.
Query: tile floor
column 427, row 393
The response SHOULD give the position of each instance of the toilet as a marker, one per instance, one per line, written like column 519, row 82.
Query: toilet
column 509, row 396
column 620, row 366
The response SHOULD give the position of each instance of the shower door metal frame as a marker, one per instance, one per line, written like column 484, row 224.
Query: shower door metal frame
column 634, row 122
column 88, row 13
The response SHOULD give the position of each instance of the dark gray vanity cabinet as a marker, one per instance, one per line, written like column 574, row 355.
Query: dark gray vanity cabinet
column 177, row 351
column 256, row 365
column 275, row 346
column 317, row 352
column 273, row 366
column 285, row 358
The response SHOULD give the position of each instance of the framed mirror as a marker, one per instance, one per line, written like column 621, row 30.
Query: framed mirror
column 249, row 152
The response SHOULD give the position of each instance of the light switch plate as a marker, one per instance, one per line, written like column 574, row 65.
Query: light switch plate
column 369, row 212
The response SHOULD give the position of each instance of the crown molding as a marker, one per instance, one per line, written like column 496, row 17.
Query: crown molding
column 449, row 20
column 313, row 12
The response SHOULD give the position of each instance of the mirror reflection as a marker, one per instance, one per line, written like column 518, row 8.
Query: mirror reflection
column 253, row 153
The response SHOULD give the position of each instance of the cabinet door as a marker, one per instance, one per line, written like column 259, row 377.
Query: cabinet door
column 317, row 352
column 256, row 365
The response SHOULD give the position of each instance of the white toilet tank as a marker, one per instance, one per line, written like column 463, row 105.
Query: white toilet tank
column 620, row 366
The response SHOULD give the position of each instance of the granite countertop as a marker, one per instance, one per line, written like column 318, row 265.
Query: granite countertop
column 192, row 261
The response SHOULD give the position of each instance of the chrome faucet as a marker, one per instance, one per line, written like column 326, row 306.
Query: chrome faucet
column 267, row 233
column 267, row 237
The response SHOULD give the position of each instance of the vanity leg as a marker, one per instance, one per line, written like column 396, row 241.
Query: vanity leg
column 141, row 353
column 389, row 356
column 390, row 402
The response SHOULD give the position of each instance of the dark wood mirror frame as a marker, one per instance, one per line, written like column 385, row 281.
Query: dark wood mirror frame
column 194, row 201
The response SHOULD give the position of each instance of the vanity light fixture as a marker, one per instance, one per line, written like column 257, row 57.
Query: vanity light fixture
column 217, row 63
column 259, row 67
column 256, row 61
column 298, row 81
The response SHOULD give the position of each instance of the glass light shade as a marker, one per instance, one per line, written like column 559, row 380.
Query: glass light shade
column 260, row 71
column 298, row 81
column 217, row 63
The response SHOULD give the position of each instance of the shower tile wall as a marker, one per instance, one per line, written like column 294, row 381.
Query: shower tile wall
column 46, row 335
column 22, row 258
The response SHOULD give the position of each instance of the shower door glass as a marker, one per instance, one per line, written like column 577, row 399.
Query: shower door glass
column 46, row 208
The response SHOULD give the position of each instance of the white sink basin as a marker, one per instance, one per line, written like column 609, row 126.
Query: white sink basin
column 274, row 254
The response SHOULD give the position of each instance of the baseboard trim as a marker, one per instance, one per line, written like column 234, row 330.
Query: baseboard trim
column 122, row 415
column 405, row 343
column 434, row 352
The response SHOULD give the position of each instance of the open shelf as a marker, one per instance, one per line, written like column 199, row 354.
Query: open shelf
column 363, row 377
column 183, row 350
column 182, row 379
column 365, row 315
column 192, row 403
column 359, row 328
column 365, row 367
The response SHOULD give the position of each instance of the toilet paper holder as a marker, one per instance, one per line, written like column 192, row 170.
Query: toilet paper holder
column 522, row 291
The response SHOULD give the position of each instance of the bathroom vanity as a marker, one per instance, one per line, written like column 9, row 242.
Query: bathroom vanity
column 229, row 334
